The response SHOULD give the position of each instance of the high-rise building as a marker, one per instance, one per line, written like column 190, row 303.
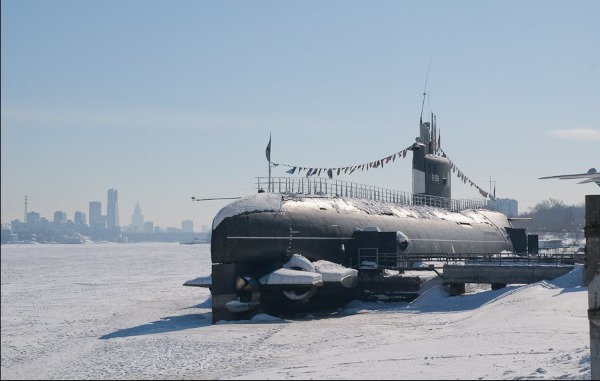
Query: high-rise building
column 95, row 213
column 33, row 217
column 112, row 209
column 137, row 218
column 60, row 217
column 187, row 226
column 79, row 219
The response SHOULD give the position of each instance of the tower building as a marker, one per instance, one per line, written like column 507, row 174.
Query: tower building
column 112, row 209
column 137, row 218
column 95, row 213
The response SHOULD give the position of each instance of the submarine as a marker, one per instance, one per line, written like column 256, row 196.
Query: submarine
column 315, row 244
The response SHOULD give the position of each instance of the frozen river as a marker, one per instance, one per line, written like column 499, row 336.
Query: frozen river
column 119, row 311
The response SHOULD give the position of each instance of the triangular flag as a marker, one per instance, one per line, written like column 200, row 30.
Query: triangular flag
column 268, row 150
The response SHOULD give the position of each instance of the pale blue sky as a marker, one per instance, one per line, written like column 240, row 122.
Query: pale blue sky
column 164, row 100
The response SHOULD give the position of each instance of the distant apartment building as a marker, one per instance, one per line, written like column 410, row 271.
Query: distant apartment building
column 148, row 227
column 187, row 226
column 60, row 217
column 95, row 214
column 33, row 217
column 112, row 209
column 80, row 219
column 508, row 206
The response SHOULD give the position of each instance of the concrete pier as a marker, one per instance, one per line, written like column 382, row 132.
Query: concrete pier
column 499, row 275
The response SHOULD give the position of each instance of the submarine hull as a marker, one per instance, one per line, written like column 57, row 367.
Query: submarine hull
column 339, row 243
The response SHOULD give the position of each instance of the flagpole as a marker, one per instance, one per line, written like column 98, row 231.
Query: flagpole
column 268, row 153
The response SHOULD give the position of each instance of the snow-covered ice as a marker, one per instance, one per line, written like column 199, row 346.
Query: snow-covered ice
column 120, row 311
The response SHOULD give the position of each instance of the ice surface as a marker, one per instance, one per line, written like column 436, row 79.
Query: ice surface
column 119, row 311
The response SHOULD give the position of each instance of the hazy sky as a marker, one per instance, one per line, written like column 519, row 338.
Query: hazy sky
column 164, row 100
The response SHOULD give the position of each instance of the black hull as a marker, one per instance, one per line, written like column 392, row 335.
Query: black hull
column 303, row 227
column 256, row 235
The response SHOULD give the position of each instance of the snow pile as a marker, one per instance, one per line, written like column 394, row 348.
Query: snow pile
column 333, row 272
column 572, row 279
column 260, row 202
column 285, row 276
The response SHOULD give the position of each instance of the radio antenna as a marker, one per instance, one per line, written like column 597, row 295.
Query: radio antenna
column 425, row 88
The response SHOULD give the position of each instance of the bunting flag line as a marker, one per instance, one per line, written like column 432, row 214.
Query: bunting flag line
column 465, row 179
column 350, row 169
column 347, row 170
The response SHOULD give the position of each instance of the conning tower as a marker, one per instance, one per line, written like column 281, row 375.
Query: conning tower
column 431, row 171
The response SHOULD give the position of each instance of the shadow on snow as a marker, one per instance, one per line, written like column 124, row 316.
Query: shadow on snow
column 167, row 324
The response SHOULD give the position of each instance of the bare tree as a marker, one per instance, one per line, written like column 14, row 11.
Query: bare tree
column 554, row 217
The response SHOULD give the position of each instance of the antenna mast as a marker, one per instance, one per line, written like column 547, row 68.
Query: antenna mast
column 425, row 88
column 492, row 194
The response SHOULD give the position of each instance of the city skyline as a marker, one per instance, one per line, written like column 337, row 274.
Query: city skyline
column 166, row 101
column 95, row 216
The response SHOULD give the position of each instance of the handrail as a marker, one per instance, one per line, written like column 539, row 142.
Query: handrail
column 320, row 186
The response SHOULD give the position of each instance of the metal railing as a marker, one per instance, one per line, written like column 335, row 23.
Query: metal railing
column 500, row 258
column 319, row 186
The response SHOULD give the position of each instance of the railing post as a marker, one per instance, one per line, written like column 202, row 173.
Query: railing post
column 339, row 188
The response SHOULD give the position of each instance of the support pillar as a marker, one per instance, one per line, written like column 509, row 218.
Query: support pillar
column 456, row 288
column 592, row 278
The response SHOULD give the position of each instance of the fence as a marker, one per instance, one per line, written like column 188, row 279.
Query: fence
column 319, row 186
